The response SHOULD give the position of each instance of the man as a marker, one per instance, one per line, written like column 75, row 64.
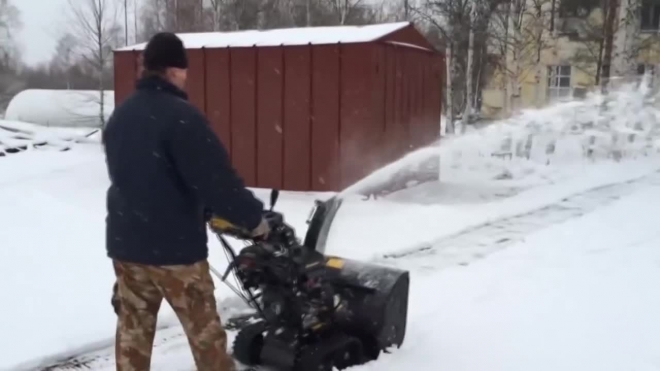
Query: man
column 168, row 170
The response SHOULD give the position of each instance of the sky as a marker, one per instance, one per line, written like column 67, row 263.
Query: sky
column 43, row 22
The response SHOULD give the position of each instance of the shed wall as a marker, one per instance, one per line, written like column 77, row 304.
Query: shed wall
column 270, row 126
column 125, row 70
column 243, row 113
column 217, row 90
column 326, row 103
column 312, row 117
column 297, row 113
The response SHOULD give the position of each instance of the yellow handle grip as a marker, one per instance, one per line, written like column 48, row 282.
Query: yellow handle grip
column 221, row 224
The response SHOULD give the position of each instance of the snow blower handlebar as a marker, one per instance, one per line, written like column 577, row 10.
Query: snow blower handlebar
column 265, row 259
column 223, row 226
column 281, row 239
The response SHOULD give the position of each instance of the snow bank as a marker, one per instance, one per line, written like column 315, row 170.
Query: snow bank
column 60, row 108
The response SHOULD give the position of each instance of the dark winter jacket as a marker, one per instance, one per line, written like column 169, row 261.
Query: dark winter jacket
column 167, row 168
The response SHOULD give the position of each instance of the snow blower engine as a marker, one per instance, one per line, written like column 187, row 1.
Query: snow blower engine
column 312, row 311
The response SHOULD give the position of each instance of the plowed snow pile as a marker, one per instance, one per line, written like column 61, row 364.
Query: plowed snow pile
column 572, row 293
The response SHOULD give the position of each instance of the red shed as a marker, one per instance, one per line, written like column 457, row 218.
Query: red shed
column 310, row 108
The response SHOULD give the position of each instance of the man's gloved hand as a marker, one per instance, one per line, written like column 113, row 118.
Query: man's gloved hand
column 262, row 229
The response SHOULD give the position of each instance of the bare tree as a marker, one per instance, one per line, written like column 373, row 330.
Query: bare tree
column 352, row 11
column 188, row 15
column 454, row 21
column 215, row 14
column 152, row 18
column 94, row 24
column 64, row 58
column 130, row 9
column 267, row 14
column 575, row 22
column 448, row 19
column 520, row 32
column 470, row 70
column 10, row 58
column 10, row 25
column 608, row 32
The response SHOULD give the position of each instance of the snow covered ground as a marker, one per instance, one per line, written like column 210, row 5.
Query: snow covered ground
column 18, row 136
column 548, row 267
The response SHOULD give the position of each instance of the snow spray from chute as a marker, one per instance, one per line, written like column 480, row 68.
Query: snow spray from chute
column 624, row 123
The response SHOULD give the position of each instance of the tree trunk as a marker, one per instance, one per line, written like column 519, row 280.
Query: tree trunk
column 505, row 61
column 126, row 22
column 540, row 45
column 477, row 90
column 626, row 37
column 469, row 70
column 610, row 16
column 449, row 55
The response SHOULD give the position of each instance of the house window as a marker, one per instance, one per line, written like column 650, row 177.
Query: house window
column 647, row 68
column 650, row 15
column 559, row 82
column 577, row 8
column 644, row 68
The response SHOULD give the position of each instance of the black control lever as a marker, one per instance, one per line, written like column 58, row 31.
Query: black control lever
column 274, row 195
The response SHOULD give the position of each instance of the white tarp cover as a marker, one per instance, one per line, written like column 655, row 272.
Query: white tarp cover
column 60, row 108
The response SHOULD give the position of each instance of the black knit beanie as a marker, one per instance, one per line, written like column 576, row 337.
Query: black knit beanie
column 164, row 50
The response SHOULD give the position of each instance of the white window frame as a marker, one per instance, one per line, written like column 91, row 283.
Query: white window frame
column 558, row 88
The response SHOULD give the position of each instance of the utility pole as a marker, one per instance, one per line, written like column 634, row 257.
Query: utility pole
column 176, row 15
column 135, row 19
column 309, row 12
column 126, row 22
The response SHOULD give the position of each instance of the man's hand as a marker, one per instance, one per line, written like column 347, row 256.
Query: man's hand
column 262, row 229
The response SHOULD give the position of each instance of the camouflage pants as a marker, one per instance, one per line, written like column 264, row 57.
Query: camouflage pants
column 138, row 294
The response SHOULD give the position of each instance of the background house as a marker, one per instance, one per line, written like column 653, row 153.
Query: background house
column 560, row 49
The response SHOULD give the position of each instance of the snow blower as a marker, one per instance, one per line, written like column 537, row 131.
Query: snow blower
column 312, row 311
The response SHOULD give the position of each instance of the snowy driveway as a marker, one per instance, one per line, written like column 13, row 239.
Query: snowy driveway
column 573, row 290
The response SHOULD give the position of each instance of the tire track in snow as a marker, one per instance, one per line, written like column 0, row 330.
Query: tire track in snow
column 478, row 242
column 168, row 340
column 170, row 350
